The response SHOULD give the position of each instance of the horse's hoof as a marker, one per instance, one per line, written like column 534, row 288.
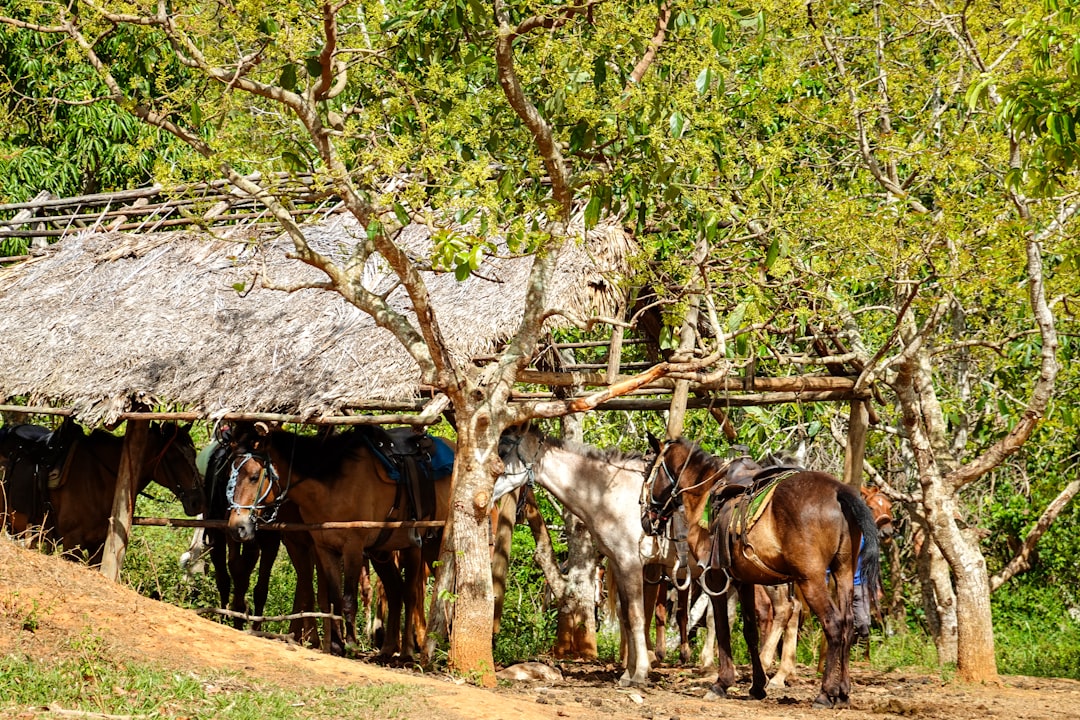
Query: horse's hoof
column 823, row 702
column 777, row 683
column 631, row 682
column 757, row 693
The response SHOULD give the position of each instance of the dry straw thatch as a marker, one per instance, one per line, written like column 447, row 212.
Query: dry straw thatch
column 104, row 319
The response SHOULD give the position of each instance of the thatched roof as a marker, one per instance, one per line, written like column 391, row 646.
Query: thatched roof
column 102, row 319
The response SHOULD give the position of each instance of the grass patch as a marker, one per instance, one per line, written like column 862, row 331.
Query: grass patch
column 92, row 685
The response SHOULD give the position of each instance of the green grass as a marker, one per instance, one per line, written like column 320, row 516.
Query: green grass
column 88, row 682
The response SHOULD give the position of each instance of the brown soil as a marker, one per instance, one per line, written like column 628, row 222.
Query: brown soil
column 64, row 600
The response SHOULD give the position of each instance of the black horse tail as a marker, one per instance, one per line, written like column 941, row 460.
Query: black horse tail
column 870, row 556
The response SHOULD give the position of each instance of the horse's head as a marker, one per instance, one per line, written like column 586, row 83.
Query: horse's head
column 174, row 465
column 254, row 490
column 660, row 494
column 519, row 451
column 881, row 507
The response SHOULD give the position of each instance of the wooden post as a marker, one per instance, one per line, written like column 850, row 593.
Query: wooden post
column 679, row 396
column 858, row 420
column 127, row 483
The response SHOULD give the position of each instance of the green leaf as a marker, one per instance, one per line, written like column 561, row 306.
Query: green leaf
column 592, row 212
column 813, row 428
column 401, row 214
column 599, row 70
column 313, row 66
column 196, row 114
column 719, row 38
column 288, row 77
column 704, row 81
column 239, row 287
column 770, row 255
column 677, row 122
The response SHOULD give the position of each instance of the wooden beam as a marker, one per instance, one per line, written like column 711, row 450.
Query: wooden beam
column 127, row 485
column 681, row 392
column 287, row 527
column 855, row 452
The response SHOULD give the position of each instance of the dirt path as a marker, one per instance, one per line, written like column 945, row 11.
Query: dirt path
column 45, row 603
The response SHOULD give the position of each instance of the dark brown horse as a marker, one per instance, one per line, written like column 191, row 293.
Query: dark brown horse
column 339, row 478
column 810, row 525
column 69, row 493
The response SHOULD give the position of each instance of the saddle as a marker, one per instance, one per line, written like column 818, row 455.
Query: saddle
column 36, row 460
column 739, row 502
column 412, row 461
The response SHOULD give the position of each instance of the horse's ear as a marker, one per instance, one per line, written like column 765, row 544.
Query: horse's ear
column 654, row 442
column 262, row 428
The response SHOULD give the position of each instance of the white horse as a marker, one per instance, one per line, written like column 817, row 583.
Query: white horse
column 603, row 488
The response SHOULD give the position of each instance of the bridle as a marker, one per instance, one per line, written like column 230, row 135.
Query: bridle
column 660, row 516
column 657, row 513
column 267, row 475
column 513, row 440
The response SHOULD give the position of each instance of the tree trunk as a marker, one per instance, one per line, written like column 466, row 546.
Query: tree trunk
column 576, row 631
column 463, row 578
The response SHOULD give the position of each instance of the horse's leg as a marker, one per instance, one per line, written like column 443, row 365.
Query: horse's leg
column 269, row 544
column 242, row 560
column 790, row 641
column 660, row 617
column 682, row 621
column 725, row 668
column 415, row 631
column 775, row 609
column 329, row 568
column 504, row 517
column 390, row 577
column 301, row 555
column 835, row 618
column 650, row 591
column 219, row 558
column 629, row 579
column 750, row 633
column 768, row 609
column 354, row 560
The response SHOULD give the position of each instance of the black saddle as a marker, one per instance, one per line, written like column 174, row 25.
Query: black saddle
column 33, row 458
column 406, row 455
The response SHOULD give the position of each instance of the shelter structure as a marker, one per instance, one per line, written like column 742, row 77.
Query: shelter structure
column 215, row 321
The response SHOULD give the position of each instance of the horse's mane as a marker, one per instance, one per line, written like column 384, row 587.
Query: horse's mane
column 710, row 461
column 316, row 456
column 612, row 455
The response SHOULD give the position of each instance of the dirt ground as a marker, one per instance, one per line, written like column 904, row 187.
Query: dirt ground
column 64, row 600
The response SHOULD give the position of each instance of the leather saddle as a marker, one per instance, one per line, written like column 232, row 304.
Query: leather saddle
column 738, row 502
column 34, row 460
column 410, row 459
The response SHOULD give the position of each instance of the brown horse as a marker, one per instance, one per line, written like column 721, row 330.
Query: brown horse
column 335, row 478
column 780, row 610
column 235, row 562
column 809, row 524
column 72, row 500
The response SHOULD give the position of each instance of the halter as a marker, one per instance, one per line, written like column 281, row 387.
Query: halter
column 259, row 507
column 529, row 466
